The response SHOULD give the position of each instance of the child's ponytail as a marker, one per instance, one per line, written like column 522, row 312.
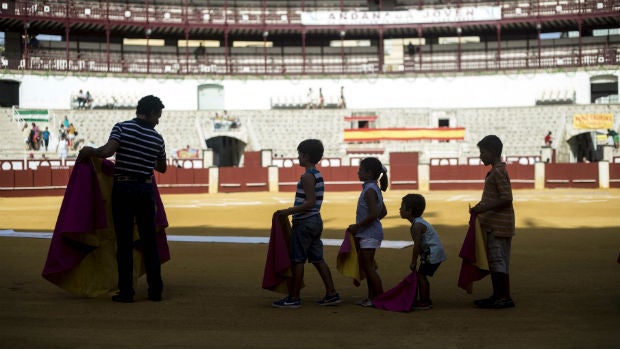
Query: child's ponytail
column 383, row 181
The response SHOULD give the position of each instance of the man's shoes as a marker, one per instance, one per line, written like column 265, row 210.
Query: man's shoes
column 287, row 302
column 121, row 298
column 498, row 303
column 330, row 300
column 155, row 297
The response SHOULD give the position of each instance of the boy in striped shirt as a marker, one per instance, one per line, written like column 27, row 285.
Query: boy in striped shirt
column 497, row 221
column 307, row 227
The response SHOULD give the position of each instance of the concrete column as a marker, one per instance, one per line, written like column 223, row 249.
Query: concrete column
column 207, row 158
column 603, row 174
column 539, row 175
column 265, row 157
column 424, row 173
column 546, row 154
column 608, row 153
column 214, row 179
column 273, row 178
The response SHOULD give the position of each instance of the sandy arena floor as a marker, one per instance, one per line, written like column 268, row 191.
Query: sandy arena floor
column 564, row 275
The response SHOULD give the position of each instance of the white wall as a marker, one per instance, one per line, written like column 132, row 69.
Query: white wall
column 502, row 90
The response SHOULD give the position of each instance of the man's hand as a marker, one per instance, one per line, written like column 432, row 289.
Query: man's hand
column 85, row 154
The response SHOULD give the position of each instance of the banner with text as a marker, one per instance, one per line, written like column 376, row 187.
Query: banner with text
column 430, row 15
column 593, row 121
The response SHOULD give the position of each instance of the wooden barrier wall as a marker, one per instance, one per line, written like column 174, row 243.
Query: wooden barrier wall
column 614, row 175
column 403, row 174
column 581, row 175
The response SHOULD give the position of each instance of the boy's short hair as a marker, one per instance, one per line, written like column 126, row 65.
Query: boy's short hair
column 491, row 143
column 148, row 105
column 414, row 203
column 313, row 148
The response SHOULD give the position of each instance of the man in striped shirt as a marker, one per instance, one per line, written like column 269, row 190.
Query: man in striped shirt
column 497, row 219
column 139, row 149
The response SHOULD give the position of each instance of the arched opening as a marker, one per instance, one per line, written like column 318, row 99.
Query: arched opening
column 227, row 151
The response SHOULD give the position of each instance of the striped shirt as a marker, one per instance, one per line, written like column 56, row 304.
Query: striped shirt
column 497, row 186
column 300, row 195
column 140, row 146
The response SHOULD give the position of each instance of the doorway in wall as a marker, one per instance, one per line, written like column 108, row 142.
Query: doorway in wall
column 211, row 97
column 10, row 93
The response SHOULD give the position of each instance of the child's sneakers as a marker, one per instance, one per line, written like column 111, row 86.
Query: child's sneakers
column 330, row 300
column 287, row 302
column 495, row 303
column 366, row 303
column 422, row 305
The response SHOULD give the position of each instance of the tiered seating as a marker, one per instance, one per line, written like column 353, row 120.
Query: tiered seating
column 521, row 129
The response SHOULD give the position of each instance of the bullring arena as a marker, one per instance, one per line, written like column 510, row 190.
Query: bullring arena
column 564, row 271
column 415, row 83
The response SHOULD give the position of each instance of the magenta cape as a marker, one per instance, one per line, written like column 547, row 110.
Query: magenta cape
column 278, row 262
column 475, row 265
column 82, row 254
column 400, row 297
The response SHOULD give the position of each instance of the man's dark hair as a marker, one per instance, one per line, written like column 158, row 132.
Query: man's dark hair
column 491, row 143
column 313, row 148
column 148, row 105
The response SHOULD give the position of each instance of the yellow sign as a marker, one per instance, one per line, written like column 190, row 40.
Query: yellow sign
column 593, row 121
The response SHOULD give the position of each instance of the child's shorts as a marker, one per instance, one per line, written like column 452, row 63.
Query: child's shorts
column 498, row 253
column 370, row 243
column 428, row 269
column 306, row 241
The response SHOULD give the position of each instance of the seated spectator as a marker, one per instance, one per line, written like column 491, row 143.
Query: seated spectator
column 81, row 99
column 89, row 100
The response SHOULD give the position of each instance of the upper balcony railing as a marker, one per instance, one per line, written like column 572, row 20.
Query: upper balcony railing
column 162, row 15
column 453, row 58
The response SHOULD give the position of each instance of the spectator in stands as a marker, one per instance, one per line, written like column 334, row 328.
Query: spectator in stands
column 89, row 100
column 199, row 51
column 139, row 150
column 310, row 99
column 62, row 148
column 26, row 134
column 46, row 137
column 66, row 122
column 71, row 133
column 62, row 131
column 548, row 139
column 81, row 99
column 35, row 136
column 410, row 49
column 612, row 138
column 342, row 104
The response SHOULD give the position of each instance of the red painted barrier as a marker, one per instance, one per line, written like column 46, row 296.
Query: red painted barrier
column 243, row 179
column 614, row 175
column 403, row 172
column 457, row 177
column 579, row 175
